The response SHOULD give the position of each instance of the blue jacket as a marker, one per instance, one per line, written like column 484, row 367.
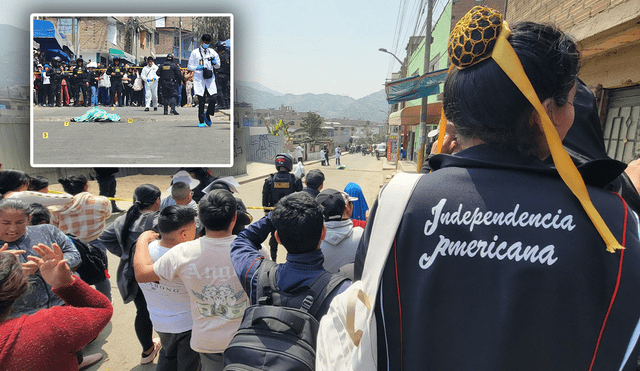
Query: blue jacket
column 496, row 266
column 299, row 270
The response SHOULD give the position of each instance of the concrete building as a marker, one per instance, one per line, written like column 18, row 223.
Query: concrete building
column 608, row 34
column 100, row 39
column 175, row 35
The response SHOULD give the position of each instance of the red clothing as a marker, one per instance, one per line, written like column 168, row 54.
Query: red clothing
column 50, row 338
column 359, row 223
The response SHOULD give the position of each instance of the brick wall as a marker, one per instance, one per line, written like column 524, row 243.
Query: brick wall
column 93, row 33
column 564, row 14
column 166, row 41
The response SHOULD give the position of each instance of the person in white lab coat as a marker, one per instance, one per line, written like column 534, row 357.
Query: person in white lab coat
column 150, row 80
column 202, row 61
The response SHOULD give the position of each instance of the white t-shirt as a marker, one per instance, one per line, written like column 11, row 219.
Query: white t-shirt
column 218, row 301
column 168, row 301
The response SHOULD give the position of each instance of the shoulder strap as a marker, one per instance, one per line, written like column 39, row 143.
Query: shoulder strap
column 266, row 284
column 323, row 287
column 392, row 201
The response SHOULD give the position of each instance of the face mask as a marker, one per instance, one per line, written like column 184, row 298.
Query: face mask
column 205, row 46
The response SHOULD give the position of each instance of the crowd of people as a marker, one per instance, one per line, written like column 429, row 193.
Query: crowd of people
column 511, row 252
column 60, row 83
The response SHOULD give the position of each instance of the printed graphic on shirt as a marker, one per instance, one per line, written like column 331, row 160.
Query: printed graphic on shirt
column 220, row 301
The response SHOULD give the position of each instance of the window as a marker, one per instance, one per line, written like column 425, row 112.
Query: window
column 148, row 39
column 65, row 26
column 143, row 35
column 156, row 38
column 435, row 62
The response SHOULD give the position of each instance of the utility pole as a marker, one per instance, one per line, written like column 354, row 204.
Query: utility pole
column 180, row 41
column 423, row 109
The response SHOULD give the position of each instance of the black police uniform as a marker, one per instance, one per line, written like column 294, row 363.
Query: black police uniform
column 222, row 80
column 276, row 187
column 116, row 82
column 80, row 75
column 55, row 76
column 170, row 76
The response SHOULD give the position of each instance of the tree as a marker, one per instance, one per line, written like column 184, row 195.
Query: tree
column 312, row 124
column 217, row 27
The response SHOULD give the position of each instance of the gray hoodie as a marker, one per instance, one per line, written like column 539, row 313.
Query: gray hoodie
column 340, row 244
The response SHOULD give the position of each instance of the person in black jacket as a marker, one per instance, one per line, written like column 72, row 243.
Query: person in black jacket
column 495, row 257
column 116, row 72
column 80, row 83
column 278, row 185
column 55, row 74
column 170, row 77
column 222, row 76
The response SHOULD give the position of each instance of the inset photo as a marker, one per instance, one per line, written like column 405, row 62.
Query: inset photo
column 139, row 90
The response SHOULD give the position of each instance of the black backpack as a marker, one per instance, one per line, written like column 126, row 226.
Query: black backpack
column 279, row 333
column 93, row 268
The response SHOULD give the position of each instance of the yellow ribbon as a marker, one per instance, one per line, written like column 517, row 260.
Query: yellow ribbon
column 506, row 58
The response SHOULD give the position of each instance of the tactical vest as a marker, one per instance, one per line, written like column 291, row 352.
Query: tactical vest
column 281, row 185
column 166, row 73
column 80, row 74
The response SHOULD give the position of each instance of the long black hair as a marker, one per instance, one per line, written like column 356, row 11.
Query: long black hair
column 12, row 180
column 143, row 197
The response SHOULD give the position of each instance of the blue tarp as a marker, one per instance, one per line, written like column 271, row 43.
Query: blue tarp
column 415, row 87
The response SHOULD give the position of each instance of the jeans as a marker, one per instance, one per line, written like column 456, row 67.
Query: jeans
column 94, row 95
column 176, row 353
column 104, row 287
column 211, row 361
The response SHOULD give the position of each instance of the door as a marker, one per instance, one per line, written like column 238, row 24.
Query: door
column 621, row 128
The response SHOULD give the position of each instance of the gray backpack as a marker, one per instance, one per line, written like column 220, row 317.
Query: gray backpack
column 279, row 333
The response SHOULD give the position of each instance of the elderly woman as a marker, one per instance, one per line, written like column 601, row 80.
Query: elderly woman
column 119, row 238
column 502, row 262
column 50, row 338
column 17, row 234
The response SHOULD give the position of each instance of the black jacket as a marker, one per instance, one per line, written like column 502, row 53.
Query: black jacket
column 496, row 266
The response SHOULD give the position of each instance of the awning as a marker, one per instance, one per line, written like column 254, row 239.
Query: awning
column 415, row 87
column 45, row 34
column 117, row 53
column 411, row 115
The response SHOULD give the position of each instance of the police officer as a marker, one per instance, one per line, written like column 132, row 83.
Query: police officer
column 116, row 72
column 278, row 185
column 55, row 73
column 80, row 83
column 170, row 77
column 222, row 75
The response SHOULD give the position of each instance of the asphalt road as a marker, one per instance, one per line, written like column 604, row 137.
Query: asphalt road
column 118, row 342
column 140, row 138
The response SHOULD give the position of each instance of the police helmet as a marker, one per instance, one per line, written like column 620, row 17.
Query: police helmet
column 169, row 57
column 284, row 160
column 79, row 60
column 220, row 46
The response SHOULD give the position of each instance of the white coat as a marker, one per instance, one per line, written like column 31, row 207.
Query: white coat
column 149, row 73
column 199, row 83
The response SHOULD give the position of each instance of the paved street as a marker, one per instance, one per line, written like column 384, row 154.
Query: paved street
column 118, row 341
column 150, row 138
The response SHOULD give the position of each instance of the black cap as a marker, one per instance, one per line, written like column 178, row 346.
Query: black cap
column 314, row 178
column 333, row 203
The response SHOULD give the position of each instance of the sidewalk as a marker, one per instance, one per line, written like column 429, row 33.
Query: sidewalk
column 260, row 170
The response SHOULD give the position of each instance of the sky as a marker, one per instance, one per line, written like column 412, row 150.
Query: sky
column 290, row 46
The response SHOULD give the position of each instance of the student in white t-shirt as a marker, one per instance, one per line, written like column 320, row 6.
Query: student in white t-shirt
column 168, row 301
column 218, row 300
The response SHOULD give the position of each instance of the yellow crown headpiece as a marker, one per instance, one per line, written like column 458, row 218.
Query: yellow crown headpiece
column 482, row 34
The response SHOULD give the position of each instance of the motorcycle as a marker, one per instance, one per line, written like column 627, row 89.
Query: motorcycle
column 365, row 151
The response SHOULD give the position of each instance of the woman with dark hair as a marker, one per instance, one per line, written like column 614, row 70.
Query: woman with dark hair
column 50, row 338
column 39, row 184
column 15, row 184
column 500, row 257
column 85, row 217
column 120, row 238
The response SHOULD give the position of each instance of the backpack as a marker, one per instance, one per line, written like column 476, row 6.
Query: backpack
column 347, row 338
column 93, row 268
column 279, row 333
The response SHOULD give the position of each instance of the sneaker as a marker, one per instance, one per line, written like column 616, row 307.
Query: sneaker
column 175, row 112
column 90, row 360
column 207, row 120
column 146, row 109
column 201, row 125
column 145, row 359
